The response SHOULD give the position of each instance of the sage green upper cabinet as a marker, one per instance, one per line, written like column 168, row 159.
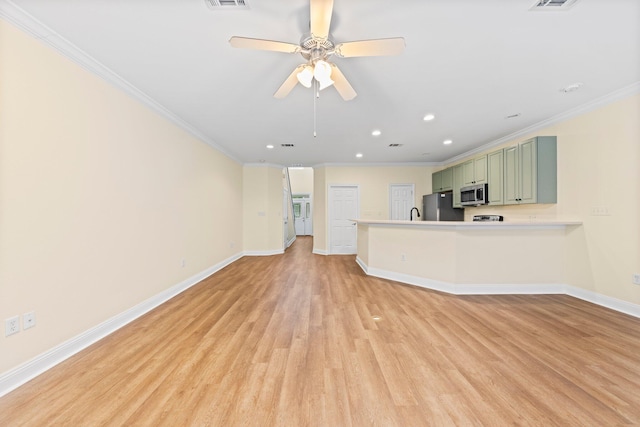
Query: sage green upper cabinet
column 530, row 171
column 495, row 177
column 442, row 180
column 458, row 181
column 475, row 171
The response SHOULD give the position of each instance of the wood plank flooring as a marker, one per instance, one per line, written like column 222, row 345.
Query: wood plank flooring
column 290, row 340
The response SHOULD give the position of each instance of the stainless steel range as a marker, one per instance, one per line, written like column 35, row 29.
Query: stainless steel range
column 488, row 218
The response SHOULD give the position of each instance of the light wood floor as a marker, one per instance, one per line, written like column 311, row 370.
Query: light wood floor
column 290, row 340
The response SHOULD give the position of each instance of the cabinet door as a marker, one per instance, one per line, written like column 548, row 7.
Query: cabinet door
column 447, row 179
column 436, row 181
column 511, row 192
column 528, row 172
column 468, row 172
column 480, row 170
column 458, row 180
column 495, row 177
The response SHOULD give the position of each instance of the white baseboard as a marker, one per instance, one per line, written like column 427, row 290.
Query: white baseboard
column 603, row 300
column 320, row 252
column 264, row 253
column 19, row 375
column 505, row 289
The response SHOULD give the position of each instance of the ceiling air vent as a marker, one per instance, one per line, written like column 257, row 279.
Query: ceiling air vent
column 227, row 4
column 551, row 5
column 395, row 145
column 287, row 145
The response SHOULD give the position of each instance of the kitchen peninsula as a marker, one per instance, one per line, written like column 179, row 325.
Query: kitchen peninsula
column 467, row 257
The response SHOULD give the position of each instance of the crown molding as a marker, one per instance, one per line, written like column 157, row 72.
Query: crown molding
column 30, row 25
column 616, row 95
column 263, row 165
column 373, row 164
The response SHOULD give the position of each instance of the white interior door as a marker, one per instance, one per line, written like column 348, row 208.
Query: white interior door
column 344, row 203
column 303, row 214
column 401, row 200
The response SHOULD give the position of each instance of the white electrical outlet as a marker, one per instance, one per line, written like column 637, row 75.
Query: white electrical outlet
column 636, row 278
column 403, row 257
column 11, row 326
column 183, row 262
column 29, row 320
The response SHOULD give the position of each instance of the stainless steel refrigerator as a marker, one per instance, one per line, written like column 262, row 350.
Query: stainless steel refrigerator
column 439, row 207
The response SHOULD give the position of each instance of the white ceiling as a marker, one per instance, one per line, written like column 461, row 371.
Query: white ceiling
column 471, row 63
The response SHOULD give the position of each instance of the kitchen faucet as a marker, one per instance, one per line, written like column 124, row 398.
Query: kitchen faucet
column 411, row 213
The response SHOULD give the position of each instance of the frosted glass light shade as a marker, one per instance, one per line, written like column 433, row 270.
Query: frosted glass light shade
column 322, row 71
column 305, row 76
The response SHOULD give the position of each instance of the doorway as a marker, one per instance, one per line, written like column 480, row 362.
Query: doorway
column 303, row 214
column 344, row 207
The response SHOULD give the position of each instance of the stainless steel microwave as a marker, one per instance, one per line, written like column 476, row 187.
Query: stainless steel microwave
column 474, row 195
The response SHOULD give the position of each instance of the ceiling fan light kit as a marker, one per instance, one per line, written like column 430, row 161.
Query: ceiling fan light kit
column 316, row 48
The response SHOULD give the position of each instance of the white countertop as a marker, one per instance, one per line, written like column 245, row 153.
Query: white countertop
column 471, row 224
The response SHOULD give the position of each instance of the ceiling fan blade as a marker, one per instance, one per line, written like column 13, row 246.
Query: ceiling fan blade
column 261, row 44
column 321, row 11
column 288, row 84
column 376, row 47
column 341, row 84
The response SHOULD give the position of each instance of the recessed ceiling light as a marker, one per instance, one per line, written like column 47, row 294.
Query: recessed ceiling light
column 447, row 142
column 269, row 146
column 428, row 117
column 359, row 155
column 376, row 132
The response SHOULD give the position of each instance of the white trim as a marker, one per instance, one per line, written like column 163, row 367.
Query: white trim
column 293, row 239
column 19, row 375
column 506, row 289
column 264, row 165
column 377, row 164
column 320, row 252
column 263, row 253
column 37, row 29
column 603, row 300
column 617, row 95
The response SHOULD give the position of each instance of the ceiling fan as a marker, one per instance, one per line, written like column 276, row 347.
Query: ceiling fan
column 316, row 48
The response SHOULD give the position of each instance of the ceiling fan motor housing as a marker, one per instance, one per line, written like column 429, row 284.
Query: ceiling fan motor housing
column 316, row 49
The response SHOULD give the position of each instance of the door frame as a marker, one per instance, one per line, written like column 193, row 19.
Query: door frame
column 330, row 210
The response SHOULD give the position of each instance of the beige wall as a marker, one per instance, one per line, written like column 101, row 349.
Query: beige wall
column 100, row 199
column 301, row 180
column 598, row 166
column 262, row 213
column 373, row 182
